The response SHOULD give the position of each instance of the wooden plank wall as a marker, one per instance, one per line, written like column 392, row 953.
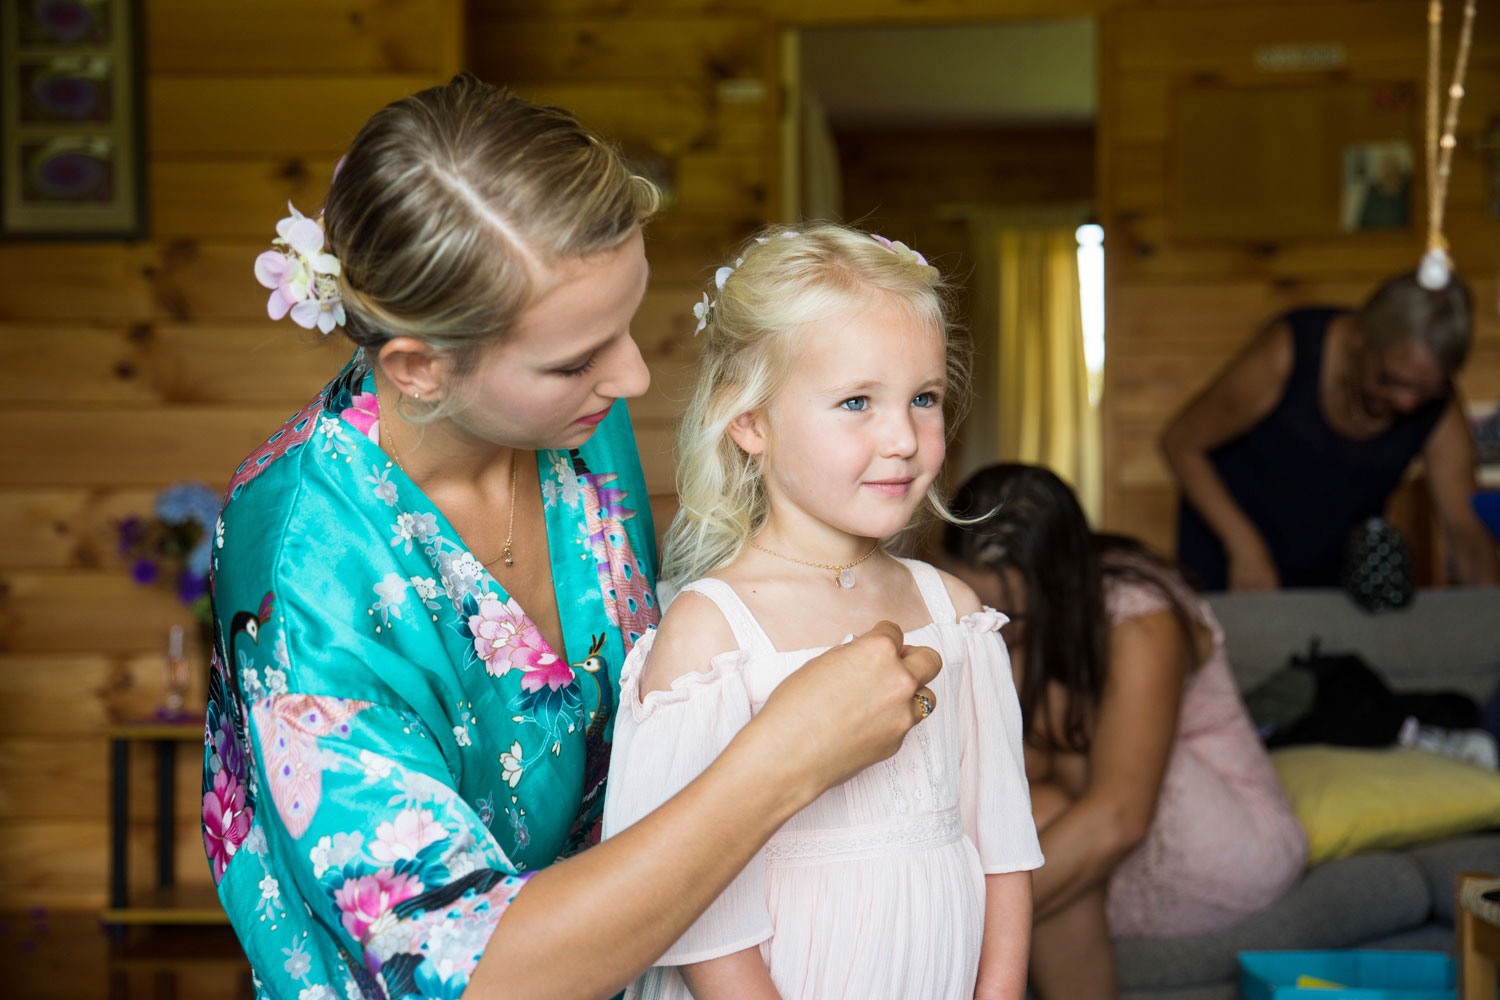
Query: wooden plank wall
column 1177, row 310
column 917, row 183
column 131, row 366
column 684, row 89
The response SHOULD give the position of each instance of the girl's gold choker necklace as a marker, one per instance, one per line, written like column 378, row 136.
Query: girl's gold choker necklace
column 843, row 575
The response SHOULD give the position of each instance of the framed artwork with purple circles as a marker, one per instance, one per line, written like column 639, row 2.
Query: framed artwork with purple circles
column 72, row 122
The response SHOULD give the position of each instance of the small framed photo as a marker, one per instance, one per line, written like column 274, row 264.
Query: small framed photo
column 72, row 121
column 1377, row 186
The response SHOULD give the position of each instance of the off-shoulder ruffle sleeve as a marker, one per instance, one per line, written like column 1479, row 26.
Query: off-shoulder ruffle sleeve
column 663, row 742
column 994, row 798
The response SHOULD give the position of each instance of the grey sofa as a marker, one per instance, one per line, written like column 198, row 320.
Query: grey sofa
column 1380, row 899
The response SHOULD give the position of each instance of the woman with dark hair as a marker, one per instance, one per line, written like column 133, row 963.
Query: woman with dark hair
column 1306, row 434
column 1158, row 809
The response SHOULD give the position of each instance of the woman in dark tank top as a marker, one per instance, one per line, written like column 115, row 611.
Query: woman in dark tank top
column 1309, row 431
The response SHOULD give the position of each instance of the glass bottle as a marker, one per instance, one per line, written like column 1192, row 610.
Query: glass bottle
column 176, row 678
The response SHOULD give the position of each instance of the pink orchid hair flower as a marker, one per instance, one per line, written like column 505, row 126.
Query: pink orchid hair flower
column 301, row 275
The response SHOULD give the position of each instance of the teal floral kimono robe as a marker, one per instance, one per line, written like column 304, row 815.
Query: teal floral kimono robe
column 392, row 747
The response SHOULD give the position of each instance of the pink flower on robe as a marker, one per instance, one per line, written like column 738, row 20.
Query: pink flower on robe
column 411, row 831
column 505, row 639
column 555, row 674
column 363, row 411
column 226, row 821
column 366, row 899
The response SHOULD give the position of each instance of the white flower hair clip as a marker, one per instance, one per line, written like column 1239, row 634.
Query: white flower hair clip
column 900, row 249
column 703, row 311
column 301, row 276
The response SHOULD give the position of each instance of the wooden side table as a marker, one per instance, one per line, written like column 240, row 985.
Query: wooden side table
column 165, row 903
column 1478, row 926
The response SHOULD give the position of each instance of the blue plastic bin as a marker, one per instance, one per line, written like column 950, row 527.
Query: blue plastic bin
column 1369, row 975
column 1487, row 506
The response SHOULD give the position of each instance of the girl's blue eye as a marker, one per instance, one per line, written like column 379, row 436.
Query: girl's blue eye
column 855, row 403
column 924, row 399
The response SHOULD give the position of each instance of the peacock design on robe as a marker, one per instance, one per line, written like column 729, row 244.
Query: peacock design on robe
column 628, row 599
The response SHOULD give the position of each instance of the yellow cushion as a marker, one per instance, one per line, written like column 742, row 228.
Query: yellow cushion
column 1351, row 800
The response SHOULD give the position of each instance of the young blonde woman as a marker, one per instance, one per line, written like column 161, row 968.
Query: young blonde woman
column 816, row 432
column 426, row 582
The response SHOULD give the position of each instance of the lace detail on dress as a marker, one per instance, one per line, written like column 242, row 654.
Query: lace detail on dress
column 932, row 778
column 806, row 847
column 893, row 785
column 1127, row 599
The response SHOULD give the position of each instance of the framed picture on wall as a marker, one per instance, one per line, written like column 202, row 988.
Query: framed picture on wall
column 1377, row 186
column 72, row 136
column 1276, row 161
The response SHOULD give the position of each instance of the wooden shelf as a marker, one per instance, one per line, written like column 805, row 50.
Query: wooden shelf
column 178, row 948
column 190, row 731
column 177, row 905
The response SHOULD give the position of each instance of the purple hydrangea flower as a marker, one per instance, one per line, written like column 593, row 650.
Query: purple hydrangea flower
column 191, row 586
column 131, row 533
column 144, row 572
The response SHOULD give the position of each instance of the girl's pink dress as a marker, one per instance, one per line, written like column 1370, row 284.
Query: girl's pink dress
column 1224, row 843
column 876, row 889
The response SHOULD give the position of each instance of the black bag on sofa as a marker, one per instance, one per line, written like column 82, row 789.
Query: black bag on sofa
column 1352, row 706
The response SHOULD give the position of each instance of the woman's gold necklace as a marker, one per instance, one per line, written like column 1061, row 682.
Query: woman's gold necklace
column 843, row 575
column 510, row 528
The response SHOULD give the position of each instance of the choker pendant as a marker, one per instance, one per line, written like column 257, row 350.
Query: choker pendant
column 843, row 576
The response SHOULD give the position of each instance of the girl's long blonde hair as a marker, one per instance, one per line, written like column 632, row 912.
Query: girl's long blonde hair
column 782, row 279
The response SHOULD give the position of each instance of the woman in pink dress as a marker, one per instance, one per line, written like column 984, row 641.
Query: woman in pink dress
column 1159, row 811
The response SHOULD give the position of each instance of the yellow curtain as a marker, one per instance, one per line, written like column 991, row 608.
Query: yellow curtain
column 1036, row 366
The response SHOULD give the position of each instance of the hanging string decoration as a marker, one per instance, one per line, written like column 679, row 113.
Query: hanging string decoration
column 1436, row 268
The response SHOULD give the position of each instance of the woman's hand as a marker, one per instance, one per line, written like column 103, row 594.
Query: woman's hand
column 841, row 712
column 848, row 708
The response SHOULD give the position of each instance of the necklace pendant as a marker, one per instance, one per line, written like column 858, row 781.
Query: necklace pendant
column 508, row 560
column 845, row 579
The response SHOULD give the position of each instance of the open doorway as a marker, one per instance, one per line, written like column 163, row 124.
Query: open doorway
column 975, row 144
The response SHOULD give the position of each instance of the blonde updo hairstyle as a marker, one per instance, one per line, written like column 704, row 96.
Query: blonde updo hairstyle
column 448, row 200
column 783, row 279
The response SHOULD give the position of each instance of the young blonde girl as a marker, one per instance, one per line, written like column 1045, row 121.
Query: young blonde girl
column 815, row 431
